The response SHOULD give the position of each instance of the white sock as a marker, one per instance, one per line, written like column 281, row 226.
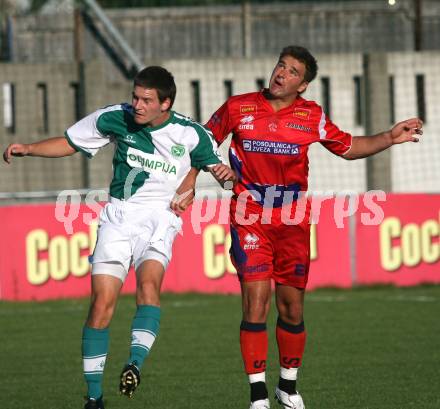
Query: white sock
column 257, row 377
column 288, row 373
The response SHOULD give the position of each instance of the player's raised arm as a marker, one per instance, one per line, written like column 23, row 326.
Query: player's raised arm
column 405, row 131
column 56, row 147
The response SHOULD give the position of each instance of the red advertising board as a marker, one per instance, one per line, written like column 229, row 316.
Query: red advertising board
column 40, row 260
column 404, row 249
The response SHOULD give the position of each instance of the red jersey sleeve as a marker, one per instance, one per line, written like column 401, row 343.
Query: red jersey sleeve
column 332, row 138
column 219, row 123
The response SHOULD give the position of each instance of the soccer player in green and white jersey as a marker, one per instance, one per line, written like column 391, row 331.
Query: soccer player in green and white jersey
column 158, row 153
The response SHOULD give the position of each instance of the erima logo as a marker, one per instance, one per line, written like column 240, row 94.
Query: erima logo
column 251, row 242
column 129, row 138
column 247, row 119
column 246, row 122
column 152, row 163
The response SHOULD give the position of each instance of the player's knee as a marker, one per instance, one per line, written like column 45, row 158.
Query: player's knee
column 256, row 310
column 291, row 314
column 101, row 312
column 148, row 292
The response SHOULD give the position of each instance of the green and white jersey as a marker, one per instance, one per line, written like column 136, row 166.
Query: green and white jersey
column 149, row 164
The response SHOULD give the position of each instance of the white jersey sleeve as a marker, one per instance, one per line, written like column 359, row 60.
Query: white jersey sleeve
column 87, row 136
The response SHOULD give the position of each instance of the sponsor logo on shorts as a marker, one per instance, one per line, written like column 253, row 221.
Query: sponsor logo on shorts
column 300, row 270
column 251, row 242
column 298, row 127
column 273, row 147
column 246, row 123
column 155, row 164
column 178, row 151
column 248, row 109
column 259, row 268
column 302, row 113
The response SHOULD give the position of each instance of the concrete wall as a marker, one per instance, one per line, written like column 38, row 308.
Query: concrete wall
column 218, row 31
column 415, row 167
column 36, row 173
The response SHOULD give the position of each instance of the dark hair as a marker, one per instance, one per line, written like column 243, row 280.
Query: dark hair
column 303, row 55
column 158, row 78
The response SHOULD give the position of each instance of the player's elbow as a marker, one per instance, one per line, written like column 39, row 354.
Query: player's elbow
column 348, row 156
column 351, row 154
column 70, row 151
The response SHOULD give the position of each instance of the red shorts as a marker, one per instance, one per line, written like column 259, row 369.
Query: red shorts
column 271, row 251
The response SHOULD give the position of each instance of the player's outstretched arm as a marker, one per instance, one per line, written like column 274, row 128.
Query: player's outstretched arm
column 405, row 131
column 185, row 193
column 56, row 147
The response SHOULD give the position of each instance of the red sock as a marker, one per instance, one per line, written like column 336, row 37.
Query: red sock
column 253, row 343
column 291, row 341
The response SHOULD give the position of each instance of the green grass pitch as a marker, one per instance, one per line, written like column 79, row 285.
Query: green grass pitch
column 368, row 348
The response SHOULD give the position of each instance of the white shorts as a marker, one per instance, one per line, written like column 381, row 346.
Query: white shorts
column 130, row 234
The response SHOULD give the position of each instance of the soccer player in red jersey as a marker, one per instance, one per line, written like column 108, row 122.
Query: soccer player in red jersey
column 271, row 133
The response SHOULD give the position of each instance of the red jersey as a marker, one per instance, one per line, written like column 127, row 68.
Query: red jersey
column 269, row 149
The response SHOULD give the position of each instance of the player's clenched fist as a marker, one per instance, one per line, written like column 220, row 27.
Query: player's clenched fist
column 15, row 149
column 181, row 201
column 224, row 175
